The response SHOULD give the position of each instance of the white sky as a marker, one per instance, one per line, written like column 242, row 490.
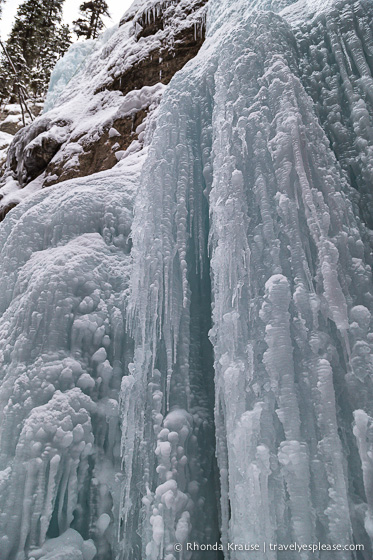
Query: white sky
column 70, row 11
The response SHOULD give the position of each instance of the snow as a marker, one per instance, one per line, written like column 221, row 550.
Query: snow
column 363, row 433
column 186, row 339
column 113, row 132
column 5, row 140
column 140, row 99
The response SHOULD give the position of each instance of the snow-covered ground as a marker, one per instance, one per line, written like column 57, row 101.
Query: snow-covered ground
column 5, row 140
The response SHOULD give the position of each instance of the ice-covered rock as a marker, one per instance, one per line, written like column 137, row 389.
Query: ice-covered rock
column 112, row 83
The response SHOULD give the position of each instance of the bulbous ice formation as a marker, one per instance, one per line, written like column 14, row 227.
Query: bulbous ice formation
column 65, row 264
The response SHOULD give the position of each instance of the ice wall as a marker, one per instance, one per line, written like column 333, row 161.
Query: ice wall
column 63, row 351
column 271, row 124
column 215, row 379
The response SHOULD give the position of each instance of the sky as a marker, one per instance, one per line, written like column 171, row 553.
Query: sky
column 71, row 9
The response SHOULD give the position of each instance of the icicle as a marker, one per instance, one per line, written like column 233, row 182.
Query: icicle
column 363, row 435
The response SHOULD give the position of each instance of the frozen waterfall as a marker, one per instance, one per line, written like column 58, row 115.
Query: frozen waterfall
column 186, row 339
column 271, row 128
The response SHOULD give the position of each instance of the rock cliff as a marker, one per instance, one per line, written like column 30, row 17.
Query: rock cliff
column 125, row 71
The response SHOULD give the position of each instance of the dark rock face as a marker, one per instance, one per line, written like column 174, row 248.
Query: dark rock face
column 151, row 27
column 37, row 158
column 32, row 150
column 168, row 36
column 161, row 65
column 99, row 155
column 5, row 209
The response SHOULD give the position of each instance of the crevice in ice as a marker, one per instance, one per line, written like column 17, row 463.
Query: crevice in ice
column 180, row 484
column 173, row 356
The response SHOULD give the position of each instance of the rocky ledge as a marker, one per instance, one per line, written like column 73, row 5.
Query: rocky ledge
column 96, row 112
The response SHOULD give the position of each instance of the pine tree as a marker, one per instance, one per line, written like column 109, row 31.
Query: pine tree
column 90, row 23
column 34, row 45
